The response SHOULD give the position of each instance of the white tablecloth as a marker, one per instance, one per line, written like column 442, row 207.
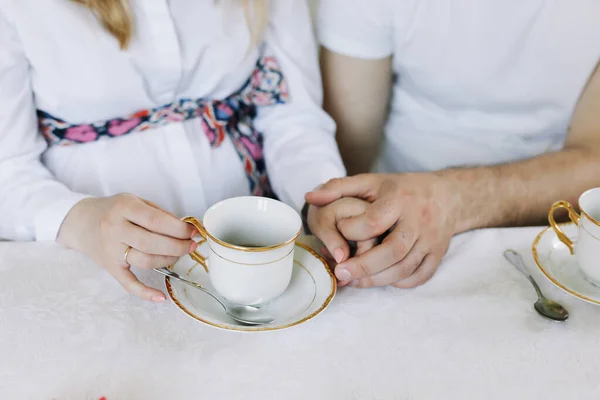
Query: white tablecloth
column 67, row 331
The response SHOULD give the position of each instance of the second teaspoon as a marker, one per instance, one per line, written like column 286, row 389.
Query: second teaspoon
column 546, row 308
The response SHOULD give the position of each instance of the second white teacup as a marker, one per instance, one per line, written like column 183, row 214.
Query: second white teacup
column 251, row 244
column 587, row 246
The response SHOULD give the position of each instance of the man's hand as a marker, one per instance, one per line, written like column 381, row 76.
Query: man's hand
column 416, row 209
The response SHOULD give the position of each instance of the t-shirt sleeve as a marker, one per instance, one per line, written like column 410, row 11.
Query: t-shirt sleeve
column 357, row 28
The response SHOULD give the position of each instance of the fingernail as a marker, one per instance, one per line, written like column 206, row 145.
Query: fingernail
column 338, row 255
column 194, row 234
column 159, row 299
column 343, row 274
column 193, row 247
column 354, row 283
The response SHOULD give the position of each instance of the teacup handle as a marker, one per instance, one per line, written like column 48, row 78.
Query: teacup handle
column 195, row 255
column 559, row 232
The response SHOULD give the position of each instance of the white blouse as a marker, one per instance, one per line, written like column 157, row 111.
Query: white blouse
column 477, row 82
column 56, row 57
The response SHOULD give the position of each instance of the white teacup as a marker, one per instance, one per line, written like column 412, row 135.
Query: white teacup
column 587, row 246
column 251, row 243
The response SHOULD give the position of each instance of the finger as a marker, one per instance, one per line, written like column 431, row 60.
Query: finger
column 397, row 272
column 155, row 244
column 132, row 285
column 360, row 248
column 393, row 250
column 334, row 242
column 364, row 246
column 328, row 257
column 323, row 223
column 361, row 186
column 346, row 208
column 148, row 261
column 156, row 220
column 331, row 263
column 378, row 218
column 422, row 275
column 154, row 205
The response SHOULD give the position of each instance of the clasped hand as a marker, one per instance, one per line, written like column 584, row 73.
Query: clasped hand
column 414, row 213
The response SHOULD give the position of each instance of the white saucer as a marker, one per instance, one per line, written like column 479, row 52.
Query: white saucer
column 310, row 291
column 556, row 262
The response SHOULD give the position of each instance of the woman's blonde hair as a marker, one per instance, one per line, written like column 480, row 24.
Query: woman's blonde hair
column 115, row 16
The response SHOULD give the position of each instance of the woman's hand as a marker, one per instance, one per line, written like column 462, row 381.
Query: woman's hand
column 104, row 228
column 324, row 224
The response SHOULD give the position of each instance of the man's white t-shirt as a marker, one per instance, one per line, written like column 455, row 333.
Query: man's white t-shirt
column 478, row 82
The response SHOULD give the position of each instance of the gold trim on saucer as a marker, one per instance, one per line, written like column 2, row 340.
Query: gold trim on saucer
column 551, row 278
column 204, row 233
column 313, row 279
column 272, row 328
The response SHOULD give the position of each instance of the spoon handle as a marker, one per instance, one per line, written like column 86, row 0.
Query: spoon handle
column 167, row 272
column 516, row 260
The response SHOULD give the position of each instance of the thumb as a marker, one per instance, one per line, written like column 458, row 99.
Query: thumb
column 358, row 186
column 321, row 197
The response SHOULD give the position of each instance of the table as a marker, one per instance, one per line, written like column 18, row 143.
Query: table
column 67, row 331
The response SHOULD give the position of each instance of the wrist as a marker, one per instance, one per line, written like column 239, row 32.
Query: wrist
column 453, row 192
column 70, row 232
column 473, row 191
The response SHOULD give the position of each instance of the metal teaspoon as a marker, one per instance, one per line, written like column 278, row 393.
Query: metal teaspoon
column 248, row 315
column 546, row 308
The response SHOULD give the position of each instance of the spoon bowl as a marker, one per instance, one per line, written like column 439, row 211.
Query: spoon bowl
column 551, row 310
column 249, row 315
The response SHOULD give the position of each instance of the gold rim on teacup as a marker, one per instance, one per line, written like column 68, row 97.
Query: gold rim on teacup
column 205, row 234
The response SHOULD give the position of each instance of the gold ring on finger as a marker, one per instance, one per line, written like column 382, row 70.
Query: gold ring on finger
column 127, row 254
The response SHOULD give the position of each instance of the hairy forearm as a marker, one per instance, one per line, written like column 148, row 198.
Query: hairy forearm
column 520, row 193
